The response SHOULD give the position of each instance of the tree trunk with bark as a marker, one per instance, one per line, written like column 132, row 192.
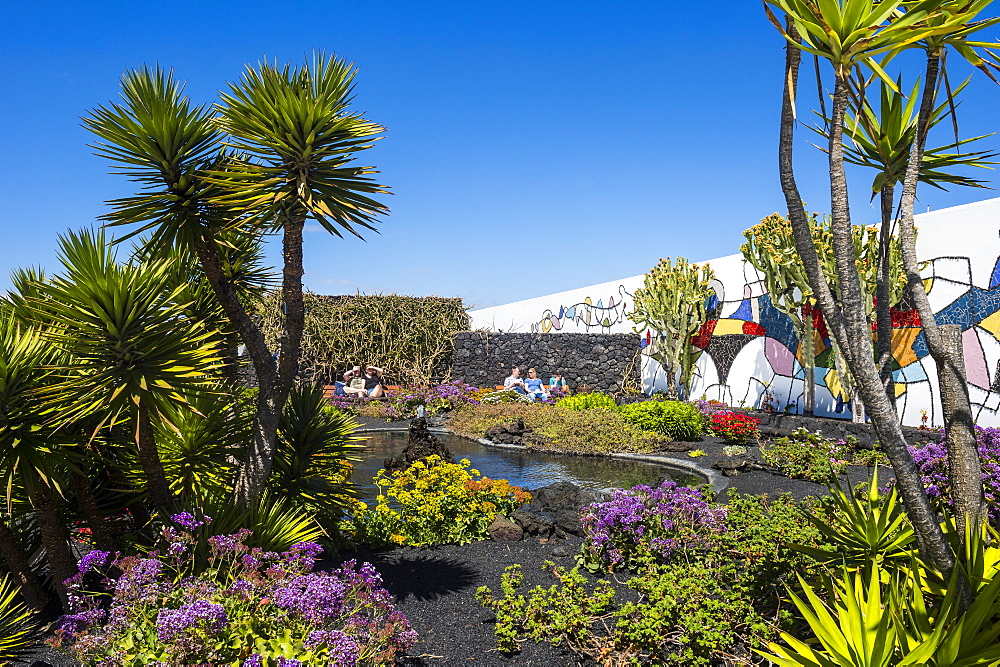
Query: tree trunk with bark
column 883, row 313
column 845, row 326
column 253, row 475
column 808, row 364
column 92, row 513
column 945, row 348
column 20, row 568
column 149, row 458
column 55, row 539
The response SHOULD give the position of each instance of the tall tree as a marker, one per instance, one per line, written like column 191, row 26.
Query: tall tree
column 848, row 34
column 290, row 143
column 672, row 302
column 880, row 139
column 950, row 28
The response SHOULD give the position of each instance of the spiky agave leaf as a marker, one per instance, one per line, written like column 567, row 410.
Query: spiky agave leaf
column 20, row 633
column 315, row 445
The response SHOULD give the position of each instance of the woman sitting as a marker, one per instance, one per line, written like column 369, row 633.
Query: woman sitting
column 533, row 385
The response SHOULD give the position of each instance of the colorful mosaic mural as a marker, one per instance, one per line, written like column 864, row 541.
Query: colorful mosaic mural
column 751, row 351
column 586, row 315
column 754, row 318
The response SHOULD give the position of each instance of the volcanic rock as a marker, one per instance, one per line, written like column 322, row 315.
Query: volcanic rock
column 421, row 445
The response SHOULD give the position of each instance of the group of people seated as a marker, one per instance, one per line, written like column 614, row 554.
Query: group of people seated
column 363, row 385
column 532, row 386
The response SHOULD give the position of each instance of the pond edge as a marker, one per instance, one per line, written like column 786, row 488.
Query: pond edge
column 717, row 480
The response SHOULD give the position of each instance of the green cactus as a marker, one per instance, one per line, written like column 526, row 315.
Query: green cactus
column 672, row 303
column 770, row 248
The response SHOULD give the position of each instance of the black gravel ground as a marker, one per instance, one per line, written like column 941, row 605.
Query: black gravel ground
column 435, row 586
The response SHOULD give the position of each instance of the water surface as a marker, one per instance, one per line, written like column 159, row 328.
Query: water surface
column 529, row 470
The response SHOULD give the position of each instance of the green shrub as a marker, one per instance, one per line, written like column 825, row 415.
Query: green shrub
column 813, row 457
column 677, row 419
column 698, row 606
column 596, row 431
column 587, row 401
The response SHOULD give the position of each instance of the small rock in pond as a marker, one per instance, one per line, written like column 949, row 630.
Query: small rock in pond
column 421, row 445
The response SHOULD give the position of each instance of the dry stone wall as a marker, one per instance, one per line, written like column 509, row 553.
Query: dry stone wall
column 602, row 362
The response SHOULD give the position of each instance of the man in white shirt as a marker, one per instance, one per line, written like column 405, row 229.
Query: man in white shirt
column 514, row 381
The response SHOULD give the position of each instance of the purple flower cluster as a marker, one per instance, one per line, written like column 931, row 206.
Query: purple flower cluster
column 709, row 408
column 94, row 559
column 932, row 459
column 200, row 614
column 661, row 520
column 343, row 650
column 187, row 520
column 345, row 617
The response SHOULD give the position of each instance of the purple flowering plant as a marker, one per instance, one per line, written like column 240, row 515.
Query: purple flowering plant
column 248, row 607
column 932, row 459
column 645, row 526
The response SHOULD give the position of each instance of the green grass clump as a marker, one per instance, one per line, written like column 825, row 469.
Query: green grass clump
column 594, row 431
column 675, row 419
column 587, row 402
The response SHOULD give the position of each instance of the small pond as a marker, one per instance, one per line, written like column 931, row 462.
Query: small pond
column 529, row 470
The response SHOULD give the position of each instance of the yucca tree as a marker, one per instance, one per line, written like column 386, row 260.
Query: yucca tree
column 131, row 353
column 850, row 34
column 880, row 139
column 32, row 456
column 951, row 27
column 291, row 143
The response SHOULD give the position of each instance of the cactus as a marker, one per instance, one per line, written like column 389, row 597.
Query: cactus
column 672, row 303
column 770, row 248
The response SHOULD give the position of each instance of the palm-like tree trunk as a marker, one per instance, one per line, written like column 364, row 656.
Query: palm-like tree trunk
column 257, row 466
column 20, row 568
column 92, row 513
column 945, row 346
column 55, row 539
column 883, row 314
column 149, row 458
column 808, row 363
column 851, row 329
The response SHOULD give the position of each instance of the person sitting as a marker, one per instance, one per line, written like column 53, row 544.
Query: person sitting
column 373, row 382
column 348, row 387
column 533, row 385
column 515, row 381
column 557, row 381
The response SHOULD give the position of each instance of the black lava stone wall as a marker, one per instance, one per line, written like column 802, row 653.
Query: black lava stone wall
column 598, row 361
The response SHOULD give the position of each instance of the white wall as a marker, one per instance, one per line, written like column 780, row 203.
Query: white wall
column 962, row 247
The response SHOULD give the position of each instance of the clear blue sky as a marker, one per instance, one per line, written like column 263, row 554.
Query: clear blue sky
column 531, row 147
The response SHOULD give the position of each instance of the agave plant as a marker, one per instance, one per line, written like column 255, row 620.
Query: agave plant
column 868, row 530
column 276, row 523
column 20, row 633
column 315, row 444
column 870, row 623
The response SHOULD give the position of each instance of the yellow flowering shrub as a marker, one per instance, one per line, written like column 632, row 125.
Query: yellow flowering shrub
column 433, row 502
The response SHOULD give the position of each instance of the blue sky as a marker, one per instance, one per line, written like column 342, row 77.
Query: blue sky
column 531, row 147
